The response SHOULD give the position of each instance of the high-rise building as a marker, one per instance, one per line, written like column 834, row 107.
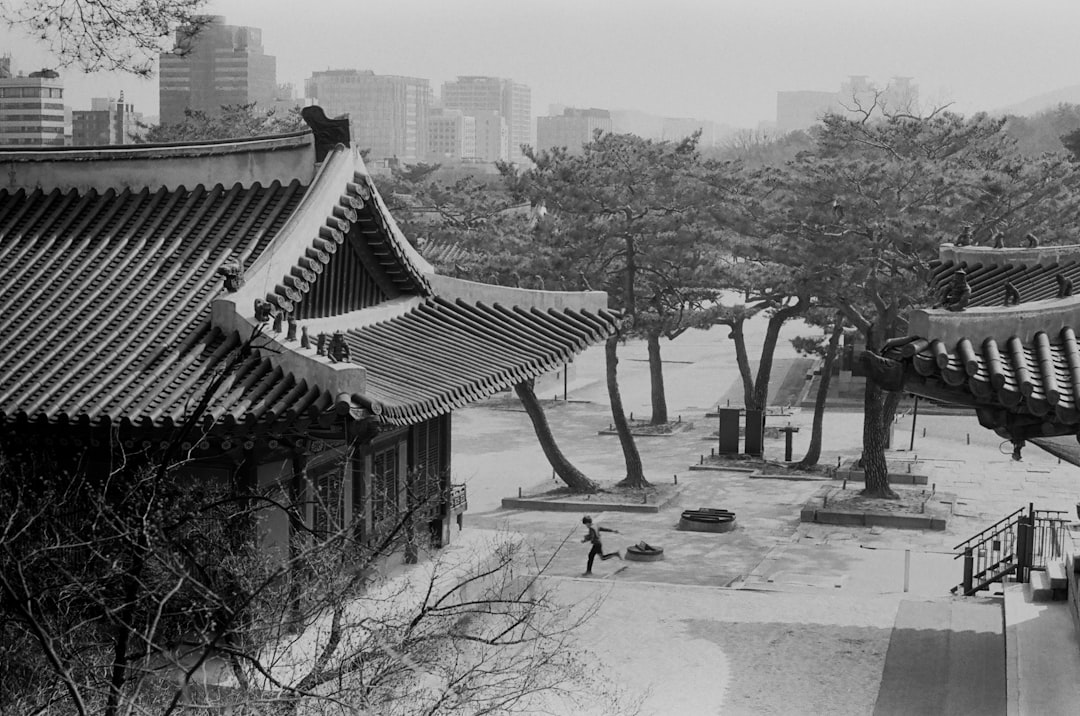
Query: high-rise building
column 492, row 136
column 451, row 135
column 572, row 129
column 31, row 108
column 388, row 114
column 218, row 65
column 513, row 100
column 108, row 121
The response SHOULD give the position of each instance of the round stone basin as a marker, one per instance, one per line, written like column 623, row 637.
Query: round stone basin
column 707, row 519
column 642, row 552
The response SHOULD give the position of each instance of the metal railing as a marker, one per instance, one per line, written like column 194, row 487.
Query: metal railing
column 1014, row 545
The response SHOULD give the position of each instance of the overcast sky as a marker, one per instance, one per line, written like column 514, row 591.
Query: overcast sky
column 710, row 59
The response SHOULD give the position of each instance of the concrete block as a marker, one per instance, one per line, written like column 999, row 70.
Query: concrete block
column 1056, row 572
column 1038, row 587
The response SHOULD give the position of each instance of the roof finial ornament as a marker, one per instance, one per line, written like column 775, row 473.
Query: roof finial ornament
column 957, row 293
column 320, row 348
column 328, row 131
column 999, row 240
column 1065, row 286
column 232, row 271
column 279, row 319
column 1012, row 294
column 1032, row 239
column 540, row 282
column 291, row 335
column 305, row 342
column 263, row 310
column 339, row 348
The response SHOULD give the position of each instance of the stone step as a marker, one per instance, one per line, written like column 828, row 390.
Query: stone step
column 1056, row 572
column 1042, row 654
column 945, row 657
column 1038, row 587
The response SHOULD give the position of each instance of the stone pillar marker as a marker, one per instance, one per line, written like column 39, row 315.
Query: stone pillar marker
column 729, row 431
column 755, row 432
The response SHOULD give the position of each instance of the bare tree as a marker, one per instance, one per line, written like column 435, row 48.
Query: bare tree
column 106, row 35
column 145, row 590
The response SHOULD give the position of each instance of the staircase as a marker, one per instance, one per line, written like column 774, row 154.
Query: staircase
column 1018, row 544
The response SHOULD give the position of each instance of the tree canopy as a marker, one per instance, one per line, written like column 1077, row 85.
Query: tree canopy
column 234, row 121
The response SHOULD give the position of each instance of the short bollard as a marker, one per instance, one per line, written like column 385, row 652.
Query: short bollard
column 787, row 441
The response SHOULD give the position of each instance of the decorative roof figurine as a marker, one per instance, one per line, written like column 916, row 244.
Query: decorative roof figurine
column 999, row 240
column 279, row 319
column 305, row 342
column 339, row 348
column 1012, row 294
column 233, row 273
column 1032, row 239
column 291, row 335
column 957, row 293
column 263, row 310
column 1065, row 286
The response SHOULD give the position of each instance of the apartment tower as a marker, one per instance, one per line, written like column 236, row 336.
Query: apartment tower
column 387, row 113
column 217, row 65
column 475, row 95
column 31, row 108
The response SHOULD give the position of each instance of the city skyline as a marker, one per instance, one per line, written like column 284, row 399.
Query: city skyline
column 723, row 62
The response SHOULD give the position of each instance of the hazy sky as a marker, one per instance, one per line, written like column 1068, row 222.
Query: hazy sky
column 710, row 59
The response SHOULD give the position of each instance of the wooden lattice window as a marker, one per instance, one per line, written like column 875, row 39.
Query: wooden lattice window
column 384, row 484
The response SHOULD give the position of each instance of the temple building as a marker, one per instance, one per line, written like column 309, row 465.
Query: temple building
column 252, row 303
column 1002, row 340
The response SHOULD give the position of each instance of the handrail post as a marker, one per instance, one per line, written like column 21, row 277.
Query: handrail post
column 1024, row 545
column 969, row 562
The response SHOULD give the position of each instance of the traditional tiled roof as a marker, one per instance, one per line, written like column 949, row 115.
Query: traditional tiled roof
column 1033, row 272
column 113, row 307
column 1017, row 365
column 446, row 354
column 1041, row 378
column 105, row 296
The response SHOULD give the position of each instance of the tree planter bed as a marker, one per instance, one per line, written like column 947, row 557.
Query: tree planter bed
column 707, row 519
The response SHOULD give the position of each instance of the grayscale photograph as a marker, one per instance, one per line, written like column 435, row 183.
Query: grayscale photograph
column 564, row 358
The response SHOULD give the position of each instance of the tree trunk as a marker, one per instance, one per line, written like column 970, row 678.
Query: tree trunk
column 635, row 473
column 656, row 381
column 574, row 478
column 743, row 361
column 768, row 350
column 813, row 453
column 876, row 469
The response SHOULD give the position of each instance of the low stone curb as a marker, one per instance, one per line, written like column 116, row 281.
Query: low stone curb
column 895, row 478
column 524, row 503
column 717, row 468
column 935, row 518
column 792, row 477
column 542, row 505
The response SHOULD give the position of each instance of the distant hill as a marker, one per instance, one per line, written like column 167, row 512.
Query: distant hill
column 1049, row 100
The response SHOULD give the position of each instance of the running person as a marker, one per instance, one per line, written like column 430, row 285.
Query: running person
column 593, row 535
